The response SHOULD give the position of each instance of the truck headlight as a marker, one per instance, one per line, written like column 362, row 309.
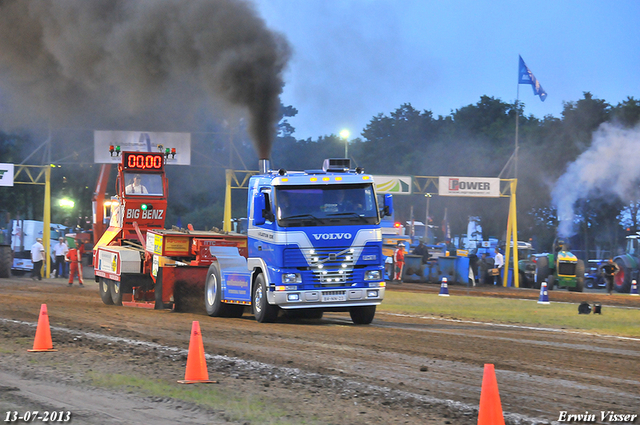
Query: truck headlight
column 372, row 275
column 293, row 297
column 291, row 278
column 372, row 293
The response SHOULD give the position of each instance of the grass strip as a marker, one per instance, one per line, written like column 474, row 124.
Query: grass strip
column 233, row 406
column 612, row 321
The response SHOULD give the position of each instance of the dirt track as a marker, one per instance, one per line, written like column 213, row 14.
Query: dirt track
column 399, row 370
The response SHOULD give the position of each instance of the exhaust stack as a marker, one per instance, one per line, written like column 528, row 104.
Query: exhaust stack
column 263, row 166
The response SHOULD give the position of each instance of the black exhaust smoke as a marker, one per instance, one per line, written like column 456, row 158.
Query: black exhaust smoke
column 166, row 65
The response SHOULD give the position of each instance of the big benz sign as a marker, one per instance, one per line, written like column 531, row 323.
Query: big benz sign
column 469, row 186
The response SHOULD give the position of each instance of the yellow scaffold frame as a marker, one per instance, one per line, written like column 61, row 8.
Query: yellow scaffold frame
column 29, row 177
column 422, row 185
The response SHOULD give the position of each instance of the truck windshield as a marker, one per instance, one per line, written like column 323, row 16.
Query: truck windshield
column 143, row 184
column 333, row 205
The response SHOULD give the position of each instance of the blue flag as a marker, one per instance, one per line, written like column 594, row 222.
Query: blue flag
column 525, row 76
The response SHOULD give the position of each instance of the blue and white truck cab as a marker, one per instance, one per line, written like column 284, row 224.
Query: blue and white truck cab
column 314, row 244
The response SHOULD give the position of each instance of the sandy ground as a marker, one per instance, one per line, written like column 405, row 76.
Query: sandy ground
column 398, row 370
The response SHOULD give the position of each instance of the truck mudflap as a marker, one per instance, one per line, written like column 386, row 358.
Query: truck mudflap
column 327, row 298
column 236, row 285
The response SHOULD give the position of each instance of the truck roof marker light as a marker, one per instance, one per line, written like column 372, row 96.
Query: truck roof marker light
column 338, row 179
column 284, row 180
column 314, row 179
column 325, row 179
column 365, row 177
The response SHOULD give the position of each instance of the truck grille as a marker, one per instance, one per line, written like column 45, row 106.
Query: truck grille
column 332, row 266
column 567, row 269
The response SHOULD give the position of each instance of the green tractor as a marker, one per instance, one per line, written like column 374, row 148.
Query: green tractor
column 628, row 264
column 561, row 268
column 526, row 265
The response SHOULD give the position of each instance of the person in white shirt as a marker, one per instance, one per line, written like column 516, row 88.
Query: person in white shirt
column 499, row 264
column 37, row 257
column 136, row 186
column 60, row 251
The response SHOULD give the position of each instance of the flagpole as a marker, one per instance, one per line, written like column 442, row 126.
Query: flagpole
column 517, row 125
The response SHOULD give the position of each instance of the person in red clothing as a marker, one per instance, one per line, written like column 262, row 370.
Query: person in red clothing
column 398, row 259
column 74, row 257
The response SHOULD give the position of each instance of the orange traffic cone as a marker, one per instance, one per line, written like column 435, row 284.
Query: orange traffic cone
column 490, row 412
column 42, row 341
column 196, row 372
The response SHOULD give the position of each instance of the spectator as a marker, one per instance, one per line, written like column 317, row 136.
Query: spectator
column 74, row 256
column 37, row 257
column 398, row 258
column 484, row 264
column 499, row 264
column 609, row 270
column 60, row 251
column 422, row 251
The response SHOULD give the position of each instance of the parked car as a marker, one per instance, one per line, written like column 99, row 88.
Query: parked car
column 594, row 279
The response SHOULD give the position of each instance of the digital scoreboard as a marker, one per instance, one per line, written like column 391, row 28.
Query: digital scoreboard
column 143, row 161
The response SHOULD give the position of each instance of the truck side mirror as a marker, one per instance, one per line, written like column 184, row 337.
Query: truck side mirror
column 259, row 205
column 388, row 205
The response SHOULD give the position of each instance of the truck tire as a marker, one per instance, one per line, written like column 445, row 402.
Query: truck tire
column 579, row 278
column 542, row 271
column 551, row 281
column 213, row 293
column 105, row 291
column 590, row 283
column 262, row 310
column 5, row 261
column 622, row 280
column 213, row 296
column 116, row 292
column 362, row 315
column 524, row 283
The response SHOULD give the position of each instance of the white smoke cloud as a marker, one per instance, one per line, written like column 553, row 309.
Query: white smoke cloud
column 609, row 168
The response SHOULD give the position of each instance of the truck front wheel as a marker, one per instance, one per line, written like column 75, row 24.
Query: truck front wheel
column 262, row 310
column 362, row 315
column 105, row 291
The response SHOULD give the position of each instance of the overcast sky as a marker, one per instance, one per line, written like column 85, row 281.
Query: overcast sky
column 354, row 59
